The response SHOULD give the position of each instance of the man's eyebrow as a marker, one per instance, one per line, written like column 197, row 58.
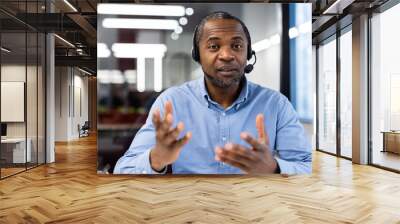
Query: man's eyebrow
column 237, row 38
column 233, row 38
column 213, row 38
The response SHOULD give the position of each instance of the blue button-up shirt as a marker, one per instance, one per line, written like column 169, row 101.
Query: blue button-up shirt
column 212, row 125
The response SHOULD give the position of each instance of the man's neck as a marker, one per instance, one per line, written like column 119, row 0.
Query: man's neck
column 224, row 96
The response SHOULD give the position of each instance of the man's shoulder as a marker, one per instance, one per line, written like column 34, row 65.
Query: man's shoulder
column 258, row 91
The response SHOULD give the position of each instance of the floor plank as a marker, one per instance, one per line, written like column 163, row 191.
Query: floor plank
column 70, row 191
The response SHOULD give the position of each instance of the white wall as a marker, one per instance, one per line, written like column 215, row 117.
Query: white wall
column 71, row 93
column 12, row 73
column 267, row 69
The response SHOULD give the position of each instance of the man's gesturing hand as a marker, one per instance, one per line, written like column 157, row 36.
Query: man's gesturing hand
column 257, row 160
column 168, row 145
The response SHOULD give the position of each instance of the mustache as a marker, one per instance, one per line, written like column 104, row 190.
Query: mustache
column 227, row 68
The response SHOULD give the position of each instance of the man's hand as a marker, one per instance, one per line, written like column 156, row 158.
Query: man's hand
column 167, row 147
column 256, row 160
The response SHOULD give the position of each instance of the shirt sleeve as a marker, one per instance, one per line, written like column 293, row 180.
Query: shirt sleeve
column 293, row 148
column 136, row 159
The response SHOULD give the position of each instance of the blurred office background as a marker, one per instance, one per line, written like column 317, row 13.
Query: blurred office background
column 138, row 59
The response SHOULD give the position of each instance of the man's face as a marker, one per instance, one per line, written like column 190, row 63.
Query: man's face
column 223, row 51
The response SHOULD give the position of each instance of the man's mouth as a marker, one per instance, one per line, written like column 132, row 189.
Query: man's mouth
column 226, row 70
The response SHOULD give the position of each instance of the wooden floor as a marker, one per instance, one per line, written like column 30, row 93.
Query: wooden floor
column 70, row 191
column 5, row 172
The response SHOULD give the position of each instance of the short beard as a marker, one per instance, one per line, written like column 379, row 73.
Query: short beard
column 220, row 83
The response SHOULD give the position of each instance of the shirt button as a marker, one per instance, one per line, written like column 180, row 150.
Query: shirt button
column 223, row 138
column 144, row 172
column 223, row 114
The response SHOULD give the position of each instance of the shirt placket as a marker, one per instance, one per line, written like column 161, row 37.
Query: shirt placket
column 224, row 132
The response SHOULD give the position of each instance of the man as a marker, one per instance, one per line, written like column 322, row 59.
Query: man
column 221, row 123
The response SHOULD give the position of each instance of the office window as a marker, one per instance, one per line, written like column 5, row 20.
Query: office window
column 327, row 96
column 385, row 85
column 22, row 91
column 346, row 94
column 300, row 58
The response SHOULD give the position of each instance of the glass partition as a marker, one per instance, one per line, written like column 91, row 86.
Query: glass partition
column 327, row 96
column 13, row 110
column 22, row 88
column 385, row 89
column 346, row 94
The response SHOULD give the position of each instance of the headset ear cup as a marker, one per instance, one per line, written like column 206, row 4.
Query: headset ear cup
column 195, row 48
column 194, row 55
column 250, row 54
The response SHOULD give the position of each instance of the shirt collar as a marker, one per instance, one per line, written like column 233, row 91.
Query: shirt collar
column 243, row 96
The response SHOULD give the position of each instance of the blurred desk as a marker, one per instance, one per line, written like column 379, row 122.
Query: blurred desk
column 13, row 150
column 391, row 141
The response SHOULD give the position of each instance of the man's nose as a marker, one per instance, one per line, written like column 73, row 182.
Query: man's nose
column 226, row 54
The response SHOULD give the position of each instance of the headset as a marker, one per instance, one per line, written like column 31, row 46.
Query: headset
column 250, row 52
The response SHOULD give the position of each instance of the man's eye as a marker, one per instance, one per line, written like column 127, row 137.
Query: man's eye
column 213, row 46
column 237, row 46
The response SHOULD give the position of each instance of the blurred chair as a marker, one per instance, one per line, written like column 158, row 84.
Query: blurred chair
column 84, row 130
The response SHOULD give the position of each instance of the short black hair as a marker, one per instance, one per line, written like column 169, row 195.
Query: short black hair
column 219, row 15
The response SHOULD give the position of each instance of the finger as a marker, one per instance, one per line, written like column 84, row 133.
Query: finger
column 260, row 127
column 173, row 134
column 236, row 164
column 240, row 153
column 168, row 119
column 165, row 126
column 230, row 152
column 181, row 142
column 253, row 142
column 167, row 108
column 156, row 118
column 219, row 156
column 262, row 133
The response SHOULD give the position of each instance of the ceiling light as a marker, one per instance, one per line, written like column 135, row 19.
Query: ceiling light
column 178, row 30
column 71, row 6
column 261, row 45
column 142, row 10
column 338, row 6
column 103, row 76
column 183, row 21
column 174, row 36
column 84, row 71
column 305, row 27
column 293, row 32
column 117, row 77
column 65, row 41
column 189, row 11
column 110, row 76
column 103, row 51
column 130, row 76
column 158, row 74
column 141, row 74
column 275, row 39
column 125, row 50
column 153, row 24
column 5, row 50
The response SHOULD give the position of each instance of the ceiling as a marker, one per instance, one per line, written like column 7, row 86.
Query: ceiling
column 79, row 27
